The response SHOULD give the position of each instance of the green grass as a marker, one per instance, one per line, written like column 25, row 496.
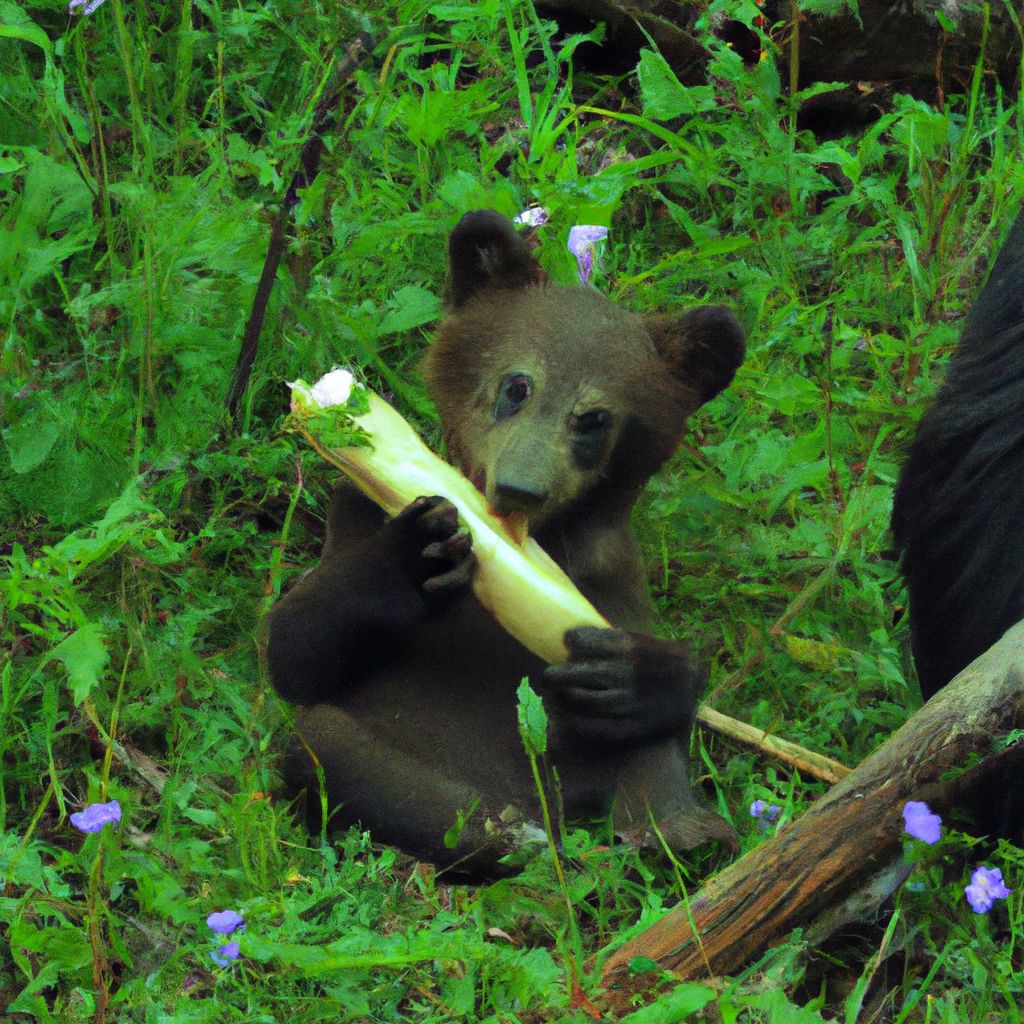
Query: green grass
column 143, row 151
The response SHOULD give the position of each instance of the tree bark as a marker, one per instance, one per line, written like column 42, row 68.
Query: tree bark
column 877, row 47
column 853, row 834
column 903, row 44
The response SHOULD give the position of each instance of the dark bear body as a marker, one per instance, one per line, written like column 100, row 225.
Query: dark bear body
column 559, row 406
column 957, row 514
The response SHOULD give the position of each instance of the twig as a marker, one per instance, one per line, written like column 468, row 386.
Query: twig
column 807, row 761
column 309, row 162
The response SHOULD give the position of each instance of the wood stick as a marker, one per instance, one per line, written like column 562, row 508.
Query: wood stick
column 807, row 761
column 309, row 163
column 851, row 834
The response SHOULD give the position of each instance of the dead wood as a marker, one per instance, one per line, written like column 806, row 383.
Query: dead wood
column 903, row 44
column 850, row 836
column 808, row 762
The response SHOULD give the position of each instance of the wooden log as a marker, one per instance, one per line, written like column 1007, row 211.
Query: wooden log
column 903, row 43
column 849, row 836
column 924, row 47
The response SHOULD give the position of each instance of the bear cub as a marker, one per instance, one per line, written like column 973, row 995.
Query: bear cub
column 559, row 406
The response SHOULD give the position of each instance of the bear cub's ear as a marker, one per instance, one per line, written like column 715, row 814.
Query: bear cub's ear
column 486, row 252
column 703, row 348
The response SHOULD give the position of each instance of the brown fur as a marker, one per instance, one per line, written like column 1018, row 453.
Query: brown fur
column 560, row 405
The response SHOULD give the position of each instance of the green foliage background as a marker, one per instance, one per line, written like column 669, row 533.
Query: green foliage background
column 143, row 149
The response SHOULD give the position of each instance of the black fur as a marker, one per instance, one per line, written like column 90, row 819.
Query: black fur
column 958, row 515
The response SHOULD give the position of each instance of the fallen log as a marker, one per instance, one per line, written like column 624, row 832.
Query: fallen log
column 850, row 835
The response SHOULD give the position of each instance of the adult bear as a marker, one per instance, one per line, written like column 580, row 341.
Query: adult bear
column 559, row 406
column 958, row 514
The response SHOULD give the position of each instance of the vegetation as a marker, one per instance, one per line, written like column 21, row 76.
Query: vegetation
column 143, row 152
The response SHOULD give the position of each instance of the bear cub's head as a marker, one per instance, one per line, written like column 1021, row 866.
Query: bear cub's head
column 547, row 394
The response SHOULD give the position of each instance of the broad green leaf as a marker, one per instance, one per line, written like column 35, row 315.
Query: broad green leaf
column 84, row 654
column 680, row 1004
column 411, row 307
column 533, row 720
column 29, row 441
column 27, row 31
column 664, row 96
column 813, row 653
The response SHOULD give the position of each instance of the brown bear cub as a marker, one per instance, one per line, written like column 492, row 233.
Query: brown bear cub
column 559, row 405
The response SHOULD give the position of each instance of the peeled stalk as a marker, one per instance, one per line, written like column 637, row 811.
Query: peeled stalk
column 516, row 580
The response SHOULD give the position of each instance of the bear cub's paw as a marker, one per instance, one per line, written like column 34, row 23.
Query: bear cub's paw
column 624, row 689
column 438, row 556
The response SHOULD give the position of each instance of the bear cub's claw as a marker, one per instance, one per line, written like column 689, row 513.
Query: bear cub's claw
column 440, row 557
column 623, row 688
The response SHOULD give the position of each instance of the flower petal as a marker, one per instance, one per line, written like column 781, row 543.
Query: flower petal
column 332, row 388
column 533, row 216
column 919, row 822
column 582, row 239
column 582, row 235
column 985, row 888
column 225, row 954
column 95, row 816
column 224, row 922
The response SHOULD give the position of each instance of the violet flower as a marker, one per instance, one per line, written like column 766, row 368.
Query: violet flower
column 582, row 241
column 765, row 812
column 226, row 954
column 224, row 922
column 986, row 887
column 95, row 816
column 921, row 823
column 87, row 6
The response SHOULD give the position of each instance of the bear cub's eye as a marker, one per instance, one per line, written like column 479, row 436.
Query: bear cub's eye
column 514, row 390
column 591, row 422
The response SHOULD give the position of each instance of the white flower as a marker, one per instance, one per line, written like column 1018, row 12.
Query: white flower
column 333, row 388
column 534, row 216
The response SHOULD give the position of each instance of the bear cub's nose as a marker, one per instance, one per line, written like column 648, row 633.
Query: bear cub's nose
column 517, row 497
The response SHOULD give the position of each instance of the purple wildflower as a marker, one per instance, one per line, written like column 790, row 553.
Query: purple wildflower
column 582, row 239
column 225, row 954
column 224, row 922
column 921, row 823
column 87, row 6
column 95, row 816
column 534, row 217
column 765, row 812
column 986, row 887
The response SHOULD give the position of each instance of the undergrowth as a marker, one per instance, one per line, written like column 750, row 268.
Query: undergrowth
column 143, row 153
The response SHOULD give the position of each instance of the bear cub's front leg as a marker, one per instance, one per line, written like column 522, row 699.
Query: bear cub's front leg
column 622, row 689
column 355, row 610
column 438, row 557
